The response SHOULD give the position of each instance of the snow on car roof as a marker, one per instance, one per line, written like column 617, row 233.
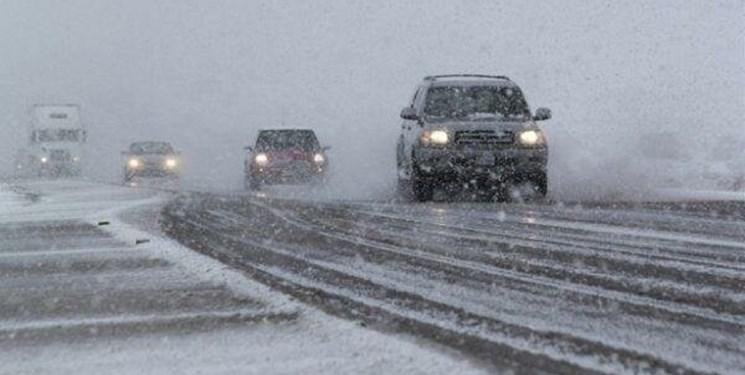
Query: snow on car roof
column 472, row 81
column 286, row 129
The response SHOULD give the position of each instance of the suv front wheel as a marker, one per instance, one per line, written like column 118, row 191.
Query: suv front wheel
column 421, row 186
column 251, row 183
column 540, row 183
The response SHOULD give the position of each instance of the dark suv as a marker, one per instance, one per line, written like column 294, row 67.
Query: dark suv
column 285, row 156
column 475, row 130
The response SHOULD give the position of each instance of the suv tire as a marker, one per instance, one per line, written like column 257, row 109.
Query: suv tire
column 252, row 184
column 421, row 187
column 541, row 184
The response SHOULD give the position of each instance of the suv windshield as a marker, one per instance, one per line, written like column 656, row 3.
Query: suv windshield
column 151, row 148
column 476, row 103
column 287, row 139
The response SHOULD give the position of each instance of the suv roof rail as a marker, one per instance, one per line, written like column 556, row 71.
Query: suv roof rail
column 434, row 78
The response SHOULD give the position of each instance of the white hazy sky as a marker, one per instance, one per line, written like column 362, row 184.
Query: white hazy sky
column 208, row 74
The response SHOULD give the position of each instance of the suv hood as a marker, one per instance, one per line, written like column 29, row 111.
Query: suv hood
column 506, row 126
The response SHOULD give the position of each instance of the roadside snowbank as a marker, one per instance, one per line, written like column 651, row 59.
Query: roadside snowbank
column 699, row 195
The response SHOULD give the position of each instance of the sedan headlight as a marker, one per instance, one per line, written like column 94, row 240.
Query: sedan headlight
column 134, row 163
column 319, row 158
column 261, row 159
column 44, row 160
column 171, row 163
column 531, row 138
column 435, row 137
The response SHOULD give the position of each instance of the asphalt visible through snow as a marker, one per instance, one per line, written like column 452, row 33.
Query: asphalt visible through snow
column 627, row 288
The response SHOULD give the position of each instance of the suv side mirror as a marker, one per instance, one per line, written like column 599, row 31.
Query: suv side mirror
column 248, row 148
column 325, row 148
column 409, row 113
column 542, row 114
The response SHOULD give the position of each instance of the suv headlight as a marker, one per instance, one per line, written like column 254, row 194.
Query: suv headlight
column 134, row 163
column 531, row 138
column 171, row 163
column 435, row 137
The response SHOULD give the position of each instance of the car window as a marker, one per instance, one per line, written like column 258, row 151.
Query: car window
column 59, row 135
column 287, row 139
column 151, row 148
column 476, row 103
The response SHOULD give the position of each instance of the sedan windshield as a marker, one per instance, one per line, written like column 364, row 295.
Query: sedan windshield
column 486, row 103
column 287, row 139
column 151, row 148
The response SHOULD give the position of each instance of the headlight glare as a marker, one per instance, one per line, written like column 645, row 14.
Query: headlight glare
column 435, row 137
column 261, row 159
column 319, row 158
column 531, row 138
column 134, row 163
column 171, row 163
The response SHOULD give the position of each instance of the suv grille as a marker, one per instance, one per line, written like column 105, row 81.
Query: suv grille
column 485, row 137
column 60, row 155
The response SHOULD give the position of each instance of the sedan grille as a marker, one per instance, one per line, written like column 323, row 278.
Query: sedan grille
column 486, row 137
column 60, row 155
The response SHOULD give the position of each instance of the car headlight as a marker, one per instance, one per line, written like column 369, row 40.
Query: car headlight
column 134, row 163
column 531, row 138
column 319, row 158
column 435, row 137
column 261, row 159
column 171, row 163
column 44, row 160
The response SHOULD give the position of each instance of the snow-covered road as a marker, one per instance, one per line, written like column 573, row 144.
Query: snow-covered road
column 531, row 288
column 88, row 285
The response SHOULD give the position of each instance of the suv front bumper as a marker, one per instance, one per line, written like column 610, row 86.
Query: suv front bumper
column 493, row 164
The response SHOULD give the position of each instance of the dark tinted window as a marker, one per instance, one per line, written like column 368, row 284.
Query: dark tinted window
column 287, row 139
column 59, row 135
column 151, row 148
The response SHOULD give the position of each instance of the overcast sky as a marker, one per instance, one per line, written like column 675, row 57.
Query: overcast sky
column 207, row 74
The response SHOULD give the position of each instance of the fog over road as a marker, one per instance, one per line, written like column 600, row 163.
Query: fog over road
column 634, row 263
column 207, row 75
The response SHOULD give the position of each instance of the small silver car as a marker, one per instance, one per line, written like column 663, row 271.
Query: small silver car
column 151, row 160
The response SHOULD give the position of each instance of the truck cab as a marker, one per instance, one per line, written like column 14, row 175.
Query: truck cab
column 57, row 139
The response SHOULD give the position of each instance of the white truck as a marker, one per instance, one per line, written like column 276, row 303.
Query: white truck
column 56, row 143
